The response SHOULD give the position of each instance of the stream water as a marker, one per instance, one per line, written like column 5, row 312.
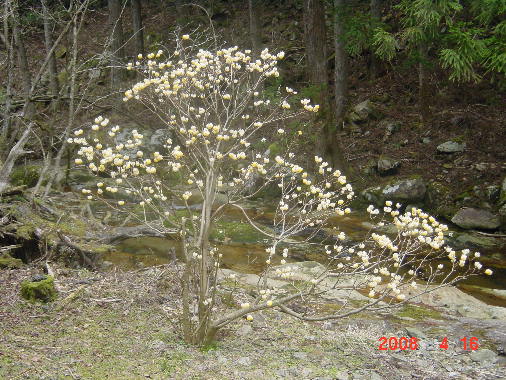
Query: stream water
column 247, row 254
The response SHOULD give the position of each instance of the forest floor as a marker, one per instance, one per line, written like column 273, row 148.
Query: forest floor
column 467, row 113
column 123, row 325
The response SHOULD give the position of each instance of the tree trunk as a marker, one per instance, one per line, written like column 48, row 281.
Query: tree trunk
column 316, row 44
column 255, row 29
column 341, row 65
column 24, row 68
column 48, row 41
column 55, row 174
column 137, row 26
column 16, row 151
column 10, row 72
column 376, row 16
column 316, row 54
column 423, row 88
column 116, row 45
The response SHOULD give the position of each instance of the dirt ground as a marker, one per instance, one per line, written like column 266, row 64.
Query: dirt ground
column 123, row 325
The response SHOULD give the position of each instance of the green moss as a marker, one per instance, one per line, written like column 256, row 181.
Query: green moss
column 419, row 313
column 43, row 291
column 274, row 150
column 27, row 175
column 237, row 232
column 9, row 262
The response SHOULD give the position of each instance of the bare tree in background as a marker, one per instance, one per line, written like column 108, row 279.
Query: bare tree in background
column 137, row 26
column 341, row 64
column 8, row 42
column 316, row 54
column 116, row 45
column 376, row 16
column 23, row 121
column 24, row 68
column 48, row 41
column 255, row 29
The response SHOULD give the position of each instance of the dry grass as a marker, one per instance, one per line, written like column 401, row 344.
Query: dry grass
column 123, row 325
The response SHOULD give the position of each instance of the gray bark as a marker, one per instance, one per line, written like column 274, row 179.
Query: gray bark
column 16, row 151
column 71, row 111
column 316, row 54
column 24, row 68
column 255, row 29
column 10, row 70
column 376, row 15
column 341, row 65
column 316, row 43
column 137, row 26
column 116, row 45
column 423, row 89
column 48, row 40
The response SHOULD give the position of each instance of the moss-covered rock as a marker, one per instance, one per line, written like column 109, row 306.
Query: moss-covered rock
column 41, row 289
column 27, row 175
column 502, row 196
column 409, row 190
column 439, row 200
column 9, row 262
column 237, row 232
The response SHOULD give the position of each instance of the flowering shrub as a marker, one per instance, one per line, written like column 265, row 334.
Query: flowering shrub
column 214, row 113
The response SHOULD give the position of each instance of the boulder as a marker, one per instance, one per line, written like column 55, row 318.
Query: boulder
column 439, row 199
column 387, row 165
column 451, row 298
column 461, row 240
column 502, row 215
column 373, row 195
column 483, row 355
column 471, row 218
column 405, row 191
column 451, row 147
column 390, row 128
column 364, row 111
column 502, row 196
column 492, row 193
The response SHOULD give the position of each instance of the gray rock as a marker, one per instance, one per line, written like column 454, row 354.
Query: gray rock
column 299, row 355
column 304, row 372
column 364, row 111
column 468, row 240
column 159, row 345
column 451, row 147
column 245, row 361
column 415, row 333
column 158, row 139
column 390, row 128
column 502, row 215
column 244, row 330
column 375, row 376
column 483, row 355
column 502, row 196
column 492, row 193
column 283, row 372
column 404, row 191
column 469, row 218
column 387, row 165
column 426, row 140
column 342, row 375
